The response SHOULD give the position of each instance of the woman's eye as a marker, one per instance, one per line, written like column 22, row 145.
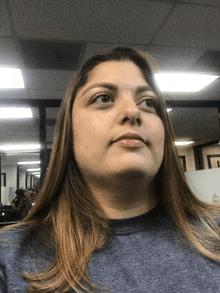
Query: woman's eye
column 102, row 99
column 149, row 103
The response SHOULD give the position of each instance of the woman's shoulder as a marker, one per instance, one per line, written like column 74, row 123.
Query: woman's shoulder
column 20, row 240
column 13, row 238
column 14, row 234
column 18, row 229
column 23, row 249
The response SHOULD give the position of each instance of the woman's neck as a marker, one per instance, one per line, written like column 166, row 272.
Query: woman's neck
column 125, row 200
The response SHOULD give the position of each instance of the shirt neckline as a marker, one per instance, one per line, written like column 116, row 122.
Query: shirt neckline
column 129, row 225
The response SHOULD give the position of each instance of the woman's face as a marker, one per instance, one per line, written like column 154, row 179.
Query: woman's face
column 116, row 101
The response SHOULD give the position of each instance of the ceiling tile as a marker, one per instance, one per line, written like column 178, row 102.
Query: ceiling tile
column 8, row 53
column 52, row 112
column 47, row 79
column 46, row 94
column 192, row 123
column 173, row 58
column 50, row 55
column 96, row 48
column 210, row 92
column 100, row 20
column 21, row 131
column 12, row 160
column 5, row 27
column 13, row 94
column 208, row 62
column 213, row 2
column 50, row 133
column 193, row 26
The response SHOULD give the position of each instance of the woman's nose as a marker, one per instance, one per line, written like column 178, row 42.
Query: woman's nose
column 130, row 113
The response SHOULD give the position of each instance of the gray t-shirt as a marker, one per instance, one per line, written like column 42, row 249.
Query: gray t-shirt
column 144, row 254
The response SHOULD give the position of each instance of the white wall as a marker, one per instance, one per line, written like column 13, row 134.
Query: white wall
column 28, row 180
column 211, row 150
column 188, row 153
column 22, row 173
column 205, row 183
column 4, row 195
column 11, row 183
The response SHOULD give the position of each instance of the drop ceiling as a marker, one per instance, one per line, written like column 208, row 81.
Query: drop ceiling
column 181, row 35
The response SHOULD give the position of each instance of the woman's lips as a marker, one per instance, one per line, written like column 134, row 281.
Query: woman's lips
column 132, row 143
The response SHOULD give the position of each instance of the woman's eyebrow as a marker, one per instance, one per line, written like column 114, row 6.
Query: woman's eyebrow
column 144, row 88
column 114, row 87
column 107, row 85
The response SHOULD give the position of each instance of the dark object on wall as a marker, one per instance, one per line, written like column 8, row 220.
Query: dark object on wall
column 210, row 164
column 3, row 179
column 183, row 162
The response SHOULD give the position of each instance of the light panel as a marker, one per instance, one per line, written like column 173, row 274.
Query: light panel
column 21, row 153
column 20, row 147
column 29, row 163
column 183, row 142
column 183, row 82
column 14, row 113
column 11, row 78
column 34, row 169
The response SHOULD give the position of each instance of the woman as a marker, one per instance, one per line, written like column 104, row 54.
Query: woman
column 114, row 211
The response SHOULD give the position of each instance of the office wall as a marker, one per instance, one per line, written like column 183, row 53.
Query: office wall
column 11, row 183
column 211, row 150
column 22, row 175
column 205, row 184
column 189, row 156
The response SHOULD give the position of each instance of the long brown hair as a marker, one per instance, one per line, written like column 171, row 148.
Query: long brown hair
column 78, row 224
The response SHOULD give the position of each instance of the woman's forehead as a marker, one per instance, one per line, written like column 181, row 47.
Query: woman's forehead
column 124, row 73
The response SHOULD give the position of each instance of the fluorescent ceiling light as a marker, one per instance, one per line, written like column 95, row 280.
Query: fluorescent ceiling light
column 183, row 142
column 11, row 78
column 168, row 110
column 22, row 153
column 21, row 147
column 29, row 163
column 35, row 169
column 35, row 173
column 183, row 82
column 6, row 113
